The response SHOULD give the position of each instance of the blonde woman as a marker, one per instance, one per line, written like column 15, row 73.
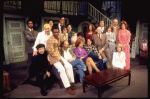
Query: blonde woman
column 119, row 58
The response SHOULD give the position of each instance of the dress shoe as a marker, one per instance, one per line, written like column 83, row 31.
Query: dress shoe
column 70, row 91
column 43, row 92
column 73, row 87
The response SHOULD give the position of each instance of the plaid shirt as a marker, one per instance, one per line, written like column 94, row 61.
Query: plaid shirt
column 90, row 49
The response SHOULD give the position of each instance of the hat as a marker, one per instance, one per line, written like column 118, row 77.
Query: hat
column 39, row 46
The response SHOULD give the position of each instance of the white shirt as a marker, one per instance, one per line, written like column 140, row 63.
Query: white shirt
column 119, row 61
column 102, row 29
column 67, row 55
column 59, row 27
column 41, row 39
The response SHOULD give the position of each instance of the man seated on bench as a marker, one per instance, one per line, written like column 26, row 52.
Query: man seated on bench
column 64, row 68
column 71, row 58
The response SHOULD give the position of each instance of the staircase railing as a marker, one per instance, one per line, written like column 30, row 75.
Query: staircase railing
column 75, row 8
column 97, row 15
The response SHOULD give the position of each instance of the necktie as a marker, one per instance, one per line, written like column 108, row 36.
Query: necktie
column 99, row 37
column 31, row 30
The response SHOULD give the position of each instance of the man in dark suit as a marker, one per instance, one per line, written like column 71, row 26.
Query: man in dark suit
column 101, row 24
column 61, row 23
column 30, row 37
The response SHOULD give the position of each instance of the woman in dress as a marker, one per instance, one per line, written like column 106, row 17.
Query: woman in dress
column 119, row 58
column 124, row 40
column 111, row 39
column 90, row 31
column 80, row 52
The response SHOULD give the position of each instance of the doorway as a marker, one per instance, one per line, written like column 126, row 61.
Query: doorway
column 15, row 39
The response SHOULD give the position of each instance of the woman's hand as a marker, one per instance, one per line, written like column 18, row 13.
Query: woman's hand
column 48, row 73
column 81, row 57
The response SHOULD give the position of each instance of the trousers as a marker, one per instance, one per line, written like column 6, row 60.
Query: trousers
column 80, row 66
column 68, row 77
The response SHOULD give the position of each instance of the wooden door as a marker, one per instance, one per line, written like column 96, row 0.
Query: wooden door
column 16, row 40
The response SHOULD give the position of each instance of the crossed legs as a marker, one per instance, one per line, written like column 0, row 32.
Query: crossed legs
column 90, row 63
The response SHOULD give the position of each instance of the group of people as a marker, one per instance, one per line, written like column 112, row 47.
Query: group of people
column 60, row 47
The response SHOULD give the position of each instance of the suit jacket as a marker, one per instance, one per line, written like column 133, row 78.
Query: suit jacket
column 103, row 43
column 71, row 52
column 53, row 50
column 116, row 31
column 104, row 30
column 30, row 39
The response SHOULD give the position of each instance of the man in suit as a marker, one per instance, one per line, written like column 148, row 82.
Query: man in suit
column 61, row 23
column 116, row 29
column 101, row 24
column 30, row 37
column 64, row 68
column 101, row 43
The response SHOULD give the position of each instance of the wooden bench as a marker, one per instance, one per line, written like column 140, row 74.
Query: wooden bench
column 105, row 77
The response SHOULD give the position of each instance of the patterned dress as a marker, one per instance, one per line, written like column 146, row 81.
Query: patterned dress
column 111, row 40
column 124, row 39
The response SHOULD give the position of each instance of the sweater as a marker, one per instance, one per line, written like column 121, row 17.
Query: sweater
column 81, row 53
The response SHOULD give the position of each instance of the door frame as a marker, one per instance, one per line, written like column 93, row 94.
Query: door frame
column 5, row 40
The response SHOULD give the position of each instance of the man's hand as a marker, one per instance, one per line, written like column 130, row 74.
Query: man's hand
column 100, row 50
column 34, row 53
column 48, row 73
column 100, row 56
column 70, row 60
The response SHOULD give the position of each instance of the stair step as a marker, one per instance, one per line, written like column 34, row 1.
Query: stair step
column 93, row 21
column 89, row 17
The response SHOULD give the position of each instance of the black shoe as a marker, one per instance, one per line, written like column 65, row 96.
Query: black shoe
column 43, row 92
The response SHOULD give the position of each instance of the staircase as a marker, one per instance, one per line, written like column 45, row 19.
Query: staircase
column 97, row 15
column 76, row 8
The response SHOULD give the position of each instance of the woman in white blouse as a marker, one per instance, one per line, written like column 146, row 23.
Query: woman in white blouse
column 119, row 58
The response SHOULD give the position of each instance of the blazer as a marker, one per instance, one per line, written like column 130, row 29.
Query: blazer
column 116, row 31
column 29, row 40
column 61, row 50
column 53, row 50
column 103, row 43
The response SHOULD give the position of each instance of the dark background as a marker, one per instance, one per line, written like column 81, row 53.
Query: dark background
column 131, row 11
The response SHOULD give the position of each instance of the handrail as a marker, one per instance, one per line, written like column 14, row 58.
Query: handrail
column 97, row 15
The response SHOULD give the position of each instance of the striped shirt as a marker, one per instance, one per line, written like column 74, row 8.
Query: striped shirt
column 90, row 49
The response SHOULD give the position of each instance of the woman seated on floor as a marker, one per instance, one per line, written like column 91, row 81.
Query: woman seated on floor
column 80, row 52
column 93, row 53
column 119, row 58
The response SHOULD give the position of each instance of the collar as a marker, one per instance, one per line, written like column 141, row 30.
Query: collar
column 64, row 50
column 56, row 37
column 115, row 26
column 108, row 33
column 30, row 29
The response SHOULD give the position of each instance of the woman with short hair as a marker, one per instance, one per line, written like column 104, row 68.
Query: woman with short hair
column 80, row 52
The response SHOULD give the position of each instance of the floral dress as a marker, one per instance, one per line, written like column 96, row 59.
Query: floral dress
column 124, row 39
